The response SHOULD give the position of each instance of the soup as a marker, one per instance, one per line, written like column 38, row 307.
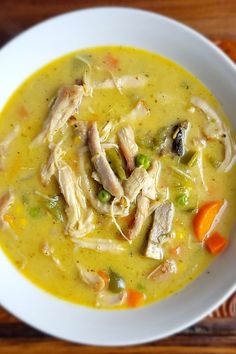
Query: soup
column 117, row 178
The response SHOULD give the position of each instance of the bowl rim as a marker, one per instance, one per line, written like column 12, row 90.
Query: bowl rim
column 231, row 288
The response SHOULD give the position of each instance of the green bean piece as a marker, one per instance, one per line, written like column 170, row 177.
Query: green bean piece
column 115, row 159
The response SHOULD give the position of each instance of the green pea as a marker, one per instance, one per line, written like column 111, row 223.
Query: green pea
column 104, row 196
column 182, row 200
column 116, row 283
column 142, row 160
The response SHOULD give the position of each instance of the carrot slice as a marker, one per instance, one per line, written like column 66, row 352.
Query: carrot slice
column 135, row 298
column 103, row 274
column 111, row 61
column 216, row 243
column 205, row 218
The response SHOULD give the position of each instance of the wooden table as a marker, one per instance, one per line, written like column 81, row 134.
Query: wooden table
column 217, row 20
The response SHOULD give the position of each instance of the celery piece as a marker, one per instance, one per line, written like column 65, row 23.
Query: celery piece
column 116, row 162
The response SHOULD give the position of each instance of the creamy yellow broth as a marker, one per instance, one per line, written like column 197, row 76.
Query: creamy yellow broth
column 31, row 223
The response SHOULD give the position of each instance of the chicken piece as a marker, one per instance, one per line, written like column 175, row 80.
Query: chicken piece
column 108, row 178
column 107, row 298
column 49, row 169
column 141, row 215
column 6, row 200
column 5, row 144
column 150, row 188
column 101, row 208
column 162, row 224
column 123, row 82
column 101, row 244
column 79, row 216
column 139, row 111
column 216, row 129
column 66, row 104
column 135, row 182
column 128, row 146
column 94, row 140
column 90, row 278
column 163, row 269
column 148, row 192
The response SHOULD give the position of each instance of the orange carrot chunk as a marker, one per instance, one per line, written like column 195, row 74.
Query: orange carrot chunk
column 135, row 298
column 111, row 61
column 216, row 243
column 103, row 274
column 205, row 217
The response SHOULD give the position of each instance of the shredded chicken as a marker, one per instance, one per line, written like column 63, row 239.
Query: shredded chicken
column 141, row 215
column 5, row 144
column 216, row 129
column 118, row 201
column 66, row 104
column 135, row 182
column 102, row 208
column 106, row 131
column 139, row 111
column 108, row 178
column 50, row 168
column 95, row 176
column 148, row 192
column 92, row 279
column 106, row 299
column 79, row 215
column 128, row 146
column 167, row 267
column 162, row 224
column 101, row 244
column 6, row 200
column 48, row 251
column 150, row 188
column 123, row 82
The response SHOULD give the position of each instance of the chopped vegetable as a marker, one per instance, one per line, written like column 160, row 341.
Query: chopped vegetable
column 216, row 243
column 142, row 160
column 206, row 217
column 111, row 61
column 116, row 162
column 105, row 276
column 179, row 137
column 117, row 283
column 194, row 158
column 53, row 205
column 182, row 200
column 104, row 196
column 135, row 298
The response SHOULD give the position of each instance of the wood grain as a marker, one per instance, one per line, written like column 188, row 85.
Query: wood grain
column 216, row 19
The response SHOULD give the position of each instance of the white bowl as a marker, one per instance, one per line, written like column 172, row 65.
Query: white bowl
column 108, row 26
